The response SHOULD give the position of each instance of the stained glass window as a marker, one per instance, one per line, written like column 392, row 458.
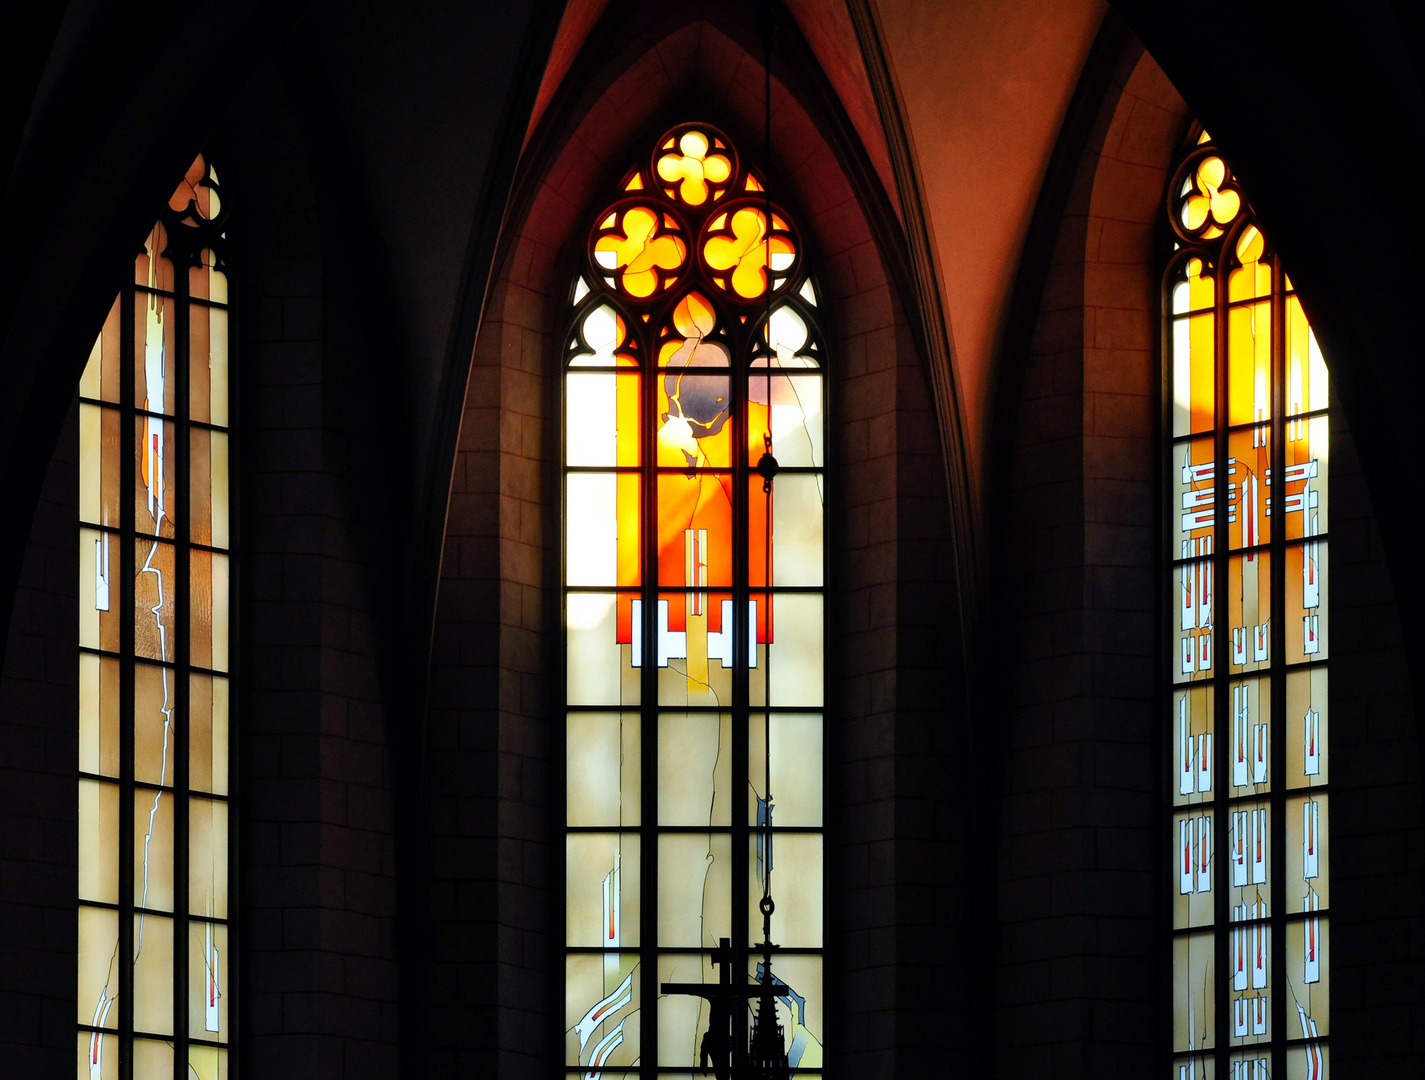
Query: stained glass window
column 694, row 614
column 1247, row 718
column 155, row 530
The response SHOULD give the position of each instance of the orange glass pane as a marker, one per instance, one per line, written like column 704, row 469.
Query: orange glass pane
column 1307, row 387
column 1192, row 649
column 1249, row 353
column 151, row 269
column 695, row 530
column 1193, row 734
column 693, row 648
column 102, row 373
column 1308, row 720
column 1249, row 476
column 156, row 476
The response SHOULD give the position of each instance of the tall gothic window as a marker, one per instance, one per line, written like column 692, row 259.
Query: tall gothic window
column 694, row 656
column 1246, row 412
column 154, row 650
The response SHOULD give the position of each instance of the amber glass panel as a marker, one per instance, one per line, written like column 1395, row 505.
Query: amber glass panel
column 1249, row 474
column 1194, row 753
column 99, row 590
column 154, row 597
column 602, row 1007
column 695, row 530
column 1308, row 972
column 1194, row 477
column 1307, row 470
column 1249, row 753
column 98, row 715
column 1307, row 625
column 99, row 465
column 602, row 412
column 603, row 783
column 208, row 858
column 1308, row 720
column 1307, row 385
column 1249, row 352
column 1196, row 866
column 695, row 768
column 99, row 841
column 1249, row 599
column 796, row 759
column 694, row 888
column 789, row 643
column 606, row 551
column 208, row 964
column 603, row 884
column 208, row 487
column 1194, row 992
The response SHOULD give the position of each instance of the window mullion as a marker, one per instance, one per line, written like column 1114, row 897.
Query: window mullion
column 1277, row 725
column 127, row 543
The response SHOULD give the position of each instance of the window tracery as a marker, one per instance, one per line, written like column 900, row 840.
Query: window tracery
column 154, row 659
column 1248, row 720
column 694, row 614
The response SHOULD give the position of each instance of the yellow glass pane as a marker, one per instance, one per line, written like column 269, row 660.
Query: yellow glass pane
column 683, row 1018
column 605, row 341
column 1249, row 476
column 153, row 974
column 208, row 487
column 208, row 858
column 1253, row 278
column 103, row 372
column 797, row 877
column 1194, row 477
column 208, row 734
column 1308, row 974
column 1195, row 866
column 603, row 780
column 1308, row 634
column 1308, row 853
column 695, row 768
column 789, row 635
column 154, row 715
column 603, row 514
column 1308, row 458
column 601, row 413
column 694, row 889
column 694, row 531
column 98, row 1056
column 1194, row 992
column 797, row 767
column 1311, row 1061
column 740, row 256
column 208, row 363
column 644, row 248
column 98, row 715
column 1249, row 601
column 98, row 967
column 98, row 841
column 98, row 590
column 693, row 170
column 1193, row 737
column 155, row 491
column 694, row 648
column 1308, row 727
column 207, row 1062
column 1249, row 355
column 153, row 1057
column 208, row 610
column 602, row 1006
column 1307, row 386
column 154, row 593
column 1249, row 860
column 208, row 963
column 602, row 889
column 603, row 647
column 1249, row 752
column 99, row 465
column 153, row 849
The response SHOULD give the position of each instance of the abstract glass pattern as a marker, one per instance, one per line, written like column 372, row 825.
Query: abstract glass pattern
column 155, row 534
column 1247, row 718
column 694, row 616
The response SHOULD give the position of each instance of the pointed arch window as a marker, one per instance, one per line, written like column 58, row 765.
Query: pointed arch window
column 1246, row 414
column 155, row 705
column 694, row 613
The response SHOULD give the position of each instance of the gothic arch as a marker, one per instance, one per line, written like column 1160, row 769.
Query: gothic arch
column 491, row 770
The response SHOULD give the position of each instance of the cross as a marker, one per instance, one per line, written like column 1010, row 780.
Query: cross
column 717, row 1045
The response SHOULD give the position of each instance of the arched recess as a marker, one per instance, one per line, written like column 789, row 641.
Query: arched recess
column 1082, row 839
column 493, row 768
